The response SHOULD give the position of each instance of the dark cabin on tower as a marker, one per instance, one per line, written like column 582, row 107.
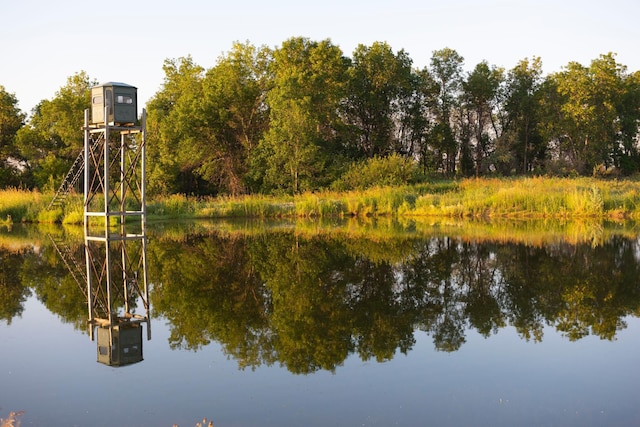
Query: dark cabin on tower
column 120, row 98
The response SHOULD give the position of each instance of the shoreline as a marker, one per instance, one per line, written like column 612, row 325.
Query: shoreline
column 484, row 198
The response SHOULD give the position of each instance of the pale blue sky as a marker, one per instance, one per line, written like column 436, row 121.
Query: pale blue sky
column 43, row 42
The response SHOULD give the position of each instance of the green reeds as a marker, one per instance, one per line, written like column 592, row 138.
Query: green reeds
column 257, row 206
column 172, row 206
column 179, row 206
column 322, row 205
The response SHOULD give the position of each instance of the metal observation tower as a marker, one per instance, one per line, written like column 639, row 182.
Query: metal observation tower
column 114, row 223
column 114, row 153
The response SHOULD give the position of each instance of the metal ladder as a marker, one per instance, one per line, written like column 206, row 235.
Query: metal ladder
column 72, row 177
column 69, row 181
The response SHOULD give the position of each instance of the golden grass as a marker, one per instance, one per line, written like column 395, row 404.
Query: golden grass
column 534, row 198
column 31, row 206
column 483, row 198
column 20, row 205
column 517, row 198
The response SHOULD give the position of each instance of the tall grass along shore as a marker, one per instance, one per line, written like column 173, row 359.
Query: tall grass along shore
column 526, row 198
column 533, row 198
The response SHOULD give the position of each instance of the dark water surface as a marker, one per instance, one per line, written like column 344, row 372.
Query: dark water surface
column 285, row 327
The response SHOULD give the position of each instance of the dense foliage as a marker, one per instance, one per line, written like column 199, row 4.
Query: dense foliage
column 304, row 116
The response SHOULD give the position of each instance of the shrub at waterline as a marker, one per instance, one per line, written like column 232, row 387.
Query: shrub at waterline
column 390, row 171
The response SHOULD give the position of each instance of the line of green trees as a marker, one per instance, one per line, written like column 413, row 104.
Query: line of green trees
column 303, row 116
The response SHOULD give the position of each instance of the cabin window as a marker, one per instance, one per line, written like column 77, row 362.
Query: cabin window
column 97, row 100
column 124, row 99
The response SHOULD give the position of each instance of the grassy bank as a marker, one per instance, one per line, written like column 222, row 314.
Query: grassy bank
column 31, row 206
column 521, row 198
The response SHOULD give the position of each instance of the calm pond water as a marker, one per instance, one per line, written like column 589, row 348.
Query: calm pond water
column 337, row 325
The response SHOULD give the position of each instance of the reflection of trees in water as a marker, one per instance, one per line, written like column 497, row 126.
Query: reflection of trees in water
column 208, row 289
column 309, row 302
column 44, row 273
column 578, row 289
column 12, row 293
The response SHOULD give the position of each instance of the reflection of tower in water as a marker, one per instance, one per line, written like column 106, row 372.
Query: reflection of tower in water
column 117, row 294
column 114, row 192
column 115, row 284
